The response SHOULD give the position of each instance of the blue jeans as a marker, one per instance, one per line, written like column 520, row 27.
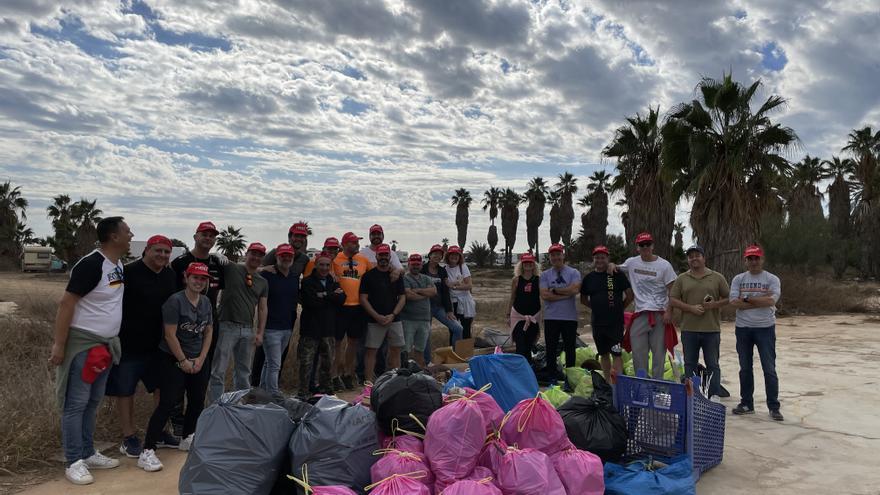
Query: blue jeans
column 234, row 340
column 765, row 339
column 710, row 343
column 274, row 343
column 80, row 411
column 455, row 329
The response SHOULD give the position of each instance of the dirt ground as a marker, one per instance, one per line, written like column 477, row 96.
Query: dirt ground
column 828, row 368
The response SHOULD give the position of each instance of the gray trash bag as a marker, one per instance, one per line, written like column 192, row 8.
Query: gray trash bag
column 237, row 448
column 336, row 441
column 491, row 338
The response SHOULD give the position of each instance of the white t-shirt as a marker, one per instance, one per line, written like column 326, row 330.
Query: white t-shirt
column 100, row 285
column 760, row 285
column 649, row 280
column 371, row 255
column 462, row 298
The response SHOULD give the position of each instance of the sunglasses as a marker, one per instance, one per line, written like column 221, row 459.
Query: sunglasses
column 646, row 244
column 249, row 280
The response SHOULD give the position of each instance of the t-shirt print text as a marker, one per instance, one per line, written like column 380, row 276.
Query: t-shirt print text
column 193, row 326
column 645, row 272
column 115, row 278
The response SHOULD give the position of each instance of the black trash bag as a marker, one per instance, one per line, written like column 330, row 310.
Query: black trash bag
column 336, row 440
column 399, row 393
column 412, row 366
column 593, row 424
column 296, row 408
column 237, row 449
column 254, row 395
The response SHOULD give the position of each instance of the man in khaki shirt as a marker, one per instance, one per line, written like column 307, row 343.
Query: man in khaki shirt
column 700, row 293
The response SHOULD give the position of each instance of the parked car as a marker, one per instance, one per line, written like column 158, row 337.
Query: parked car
column 41, row 259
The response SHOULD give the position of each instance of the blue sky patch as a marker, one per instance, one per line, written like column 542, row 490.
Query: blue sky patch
column 773, row 57
column 354, row 107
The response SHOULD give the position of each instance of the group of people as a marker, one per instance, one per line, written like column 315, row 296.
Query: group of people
column 178, row 325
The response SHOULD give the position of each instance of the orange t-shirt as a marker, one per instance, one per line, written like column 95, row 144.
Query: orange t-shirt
column 309, row 267
column 349, row 273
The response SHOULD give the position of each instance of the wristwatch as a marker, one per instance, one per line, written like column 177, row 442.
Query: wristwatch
column 746, row 299
column 553, row 290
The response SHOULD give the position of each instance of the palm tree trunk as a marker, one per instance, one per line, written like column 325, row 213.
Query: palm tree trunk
column 461, row 223
column 724, row 220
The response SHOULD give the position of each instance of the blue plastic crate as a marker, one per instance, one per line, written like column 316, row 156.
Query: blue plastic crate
column 668, row 419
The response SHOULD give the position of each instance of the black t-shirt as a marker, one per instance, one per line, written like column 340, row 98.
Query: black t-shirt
column 381, row 291
column 527, row 300
column 606, row 297
column 145, row 293
column 181, row 263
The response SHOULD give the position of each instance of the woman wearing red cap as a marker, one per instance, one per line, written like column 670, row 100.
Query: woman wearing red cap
column 188, row 320
column 460, row 286
column 525, row 305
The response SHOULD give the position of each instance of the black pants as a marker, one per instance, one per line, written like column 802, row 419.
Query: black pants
column 465, row 322
column 173, row 382
column 524, row 338
column 552, row 330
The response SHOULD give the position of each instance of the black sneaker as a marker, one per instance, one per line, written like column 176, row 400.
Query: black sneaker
column 348, row 382
column 776, row 415
column 167, row 441
column 741, row 409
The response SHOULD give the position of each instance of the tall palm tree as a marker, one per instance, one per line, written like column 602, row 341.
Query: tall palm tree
column 864, row 147
column 462, row 202
column 566, row 187
column 594, row 221
column 555, row 223
column 86, row 217
column 59, row 212
column 678, row 228
column 509, row 204
column 716, row 145
column 804, row 198
column 491, row 199
column 231, row 242
column 536, row 195
column 647, row 190
column 23, row 235
column 12, row 211
column 839, row 205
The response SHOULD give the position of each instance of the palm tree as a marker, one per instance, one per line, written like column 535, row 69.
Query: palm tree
column 490, row 201
column 678, row 228
column 59, row 212
column 565, row 188
column 647, row 190
column 864, row 147
column 12, row 211
column 86, row 217
column 555, row 224
column 231, row 243
column 445, row 244
column 715, row 145
column 804, row 198
column 462, row 202
column 839, row 205
column 394, row 245
column 509, row 204
column 536, row 195
column 23, row 235
column 594, row 221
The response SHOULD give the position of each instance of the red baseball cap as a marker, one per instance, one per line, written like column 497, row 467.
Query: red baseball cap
column 600, row 250
column 200, row 269
column 527, row 258
column 256, row 246
column 435, row 247
column 415, row 259
column 376, row 228
column 97, row 361
column 644, row 237
column 383, row 248
column 207, row 227
column 284, row 249
column 331, row 242
column 350, row 237
column 754, row 250
column 556, row 248
column 299, row 228
column 453, row 250
column 159, row 239
column 323, row 254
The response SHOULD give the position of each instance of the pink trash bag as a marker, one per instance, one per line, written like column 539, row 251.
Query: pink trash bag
column 400, row 484
column 454, row 439
column 399, row 462
column 471, row 487
column 492, row 453
column 364, row 397
column 528, row 472
column 535, row 424
column 492, row 412
column 580, row 471
column 320, row 490
column 408, row 441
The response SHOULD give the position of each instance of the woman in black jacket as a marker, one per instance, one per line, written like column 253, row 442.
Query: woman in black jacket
column 321, row 297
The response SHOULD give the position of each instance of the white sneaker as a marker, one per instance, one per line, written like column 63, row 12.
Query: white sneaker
column 78, row 473
column 148, row 461
column 101, row 461
column 186, row 443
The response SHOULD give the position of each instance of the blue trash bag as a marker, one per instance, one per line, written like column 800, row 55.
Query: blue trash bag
column 674, row 479
column 511, row 377
column 459, row 379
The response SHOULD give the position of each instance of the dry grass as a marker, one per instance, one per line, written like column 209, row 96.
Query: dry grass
column 803, row 294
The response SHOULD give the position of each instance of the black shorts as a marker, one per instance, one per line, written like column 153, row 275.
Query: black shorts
column 132, row 369
column 608, row 339
column 351, row 321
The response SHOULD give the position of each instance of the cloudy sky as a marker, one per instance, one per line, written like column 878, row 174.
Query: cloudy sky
column 346, row 112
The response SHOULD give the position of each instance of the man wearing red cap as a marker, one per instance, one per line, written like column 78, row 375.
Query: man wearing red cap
column 559, row 285
column 754, row 294
column 149, row 281
column 377, row 237
column 351, row 323
column 245, row 294
column 86, row 329
column 607, row 295
column 322, row 297
column 331, row 247
column 281, row 304
column 651, row 278
column 416, row 314
column 382, row 299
